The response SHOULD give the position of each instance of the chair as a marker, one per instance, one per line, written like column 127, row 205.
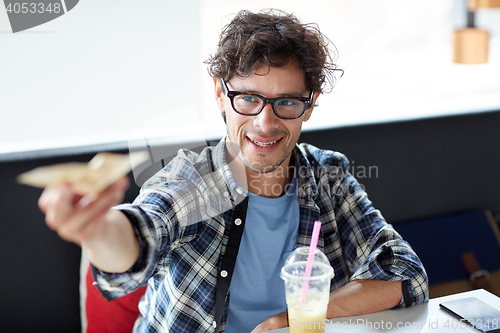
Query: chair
column 447, row 244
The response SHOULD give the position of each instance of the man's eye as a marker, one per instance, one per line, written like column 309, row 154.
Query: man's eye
column 286, row 102
column 249, row 99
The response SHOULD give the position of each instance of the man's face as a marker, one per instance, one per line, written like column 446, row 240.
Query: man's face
column 264, row 141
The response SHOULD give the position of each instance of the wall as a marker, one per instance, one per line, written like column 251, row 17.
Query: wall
column 39, row 272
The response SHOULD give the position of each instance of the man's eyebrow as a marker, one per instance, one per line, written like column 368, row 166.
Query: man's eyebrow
column 291, row 94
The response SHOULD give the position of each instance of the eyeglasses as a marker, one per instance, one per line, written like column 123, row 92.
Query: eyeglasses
column 249, row 104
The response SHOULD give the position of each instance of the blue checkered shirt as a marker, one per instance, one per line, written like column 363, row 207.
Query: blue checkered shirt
column 182, row 219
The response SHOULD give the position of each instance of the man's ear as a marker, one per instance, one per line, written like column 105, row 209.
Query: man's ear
column 309, row 111
column 219, row 96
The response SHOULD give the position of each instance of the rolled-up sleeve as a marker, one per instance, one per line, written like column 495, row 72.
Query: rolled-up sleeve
column 374, row 250
column 115, row 285
column 155, row 224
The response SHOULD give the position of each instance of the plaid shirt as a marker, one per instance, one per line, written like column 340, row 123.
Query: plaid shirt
column 182, row 219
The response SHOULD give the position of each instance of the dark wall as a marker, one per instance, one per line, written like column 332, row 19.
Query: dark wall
column 410, row 170
column 39, row 272
column 425, row 167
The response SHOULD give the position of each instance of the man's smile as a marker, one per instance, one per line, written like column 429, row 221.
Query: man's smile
column 263, row 142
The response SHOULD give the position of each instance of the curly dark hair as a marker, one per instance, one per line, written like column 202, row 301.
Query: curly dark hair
column 274, row 38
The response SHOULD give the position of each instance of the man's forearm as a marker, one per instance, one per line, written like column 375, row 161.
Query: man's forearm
column 364, row 296
column 118, row 249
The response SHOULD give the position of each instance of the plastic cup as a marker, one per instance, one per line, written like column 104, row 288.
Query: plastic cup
column 309, row 316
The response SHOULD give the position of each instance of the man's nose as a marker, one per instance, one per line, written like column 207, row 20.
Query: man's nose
column 266, row 119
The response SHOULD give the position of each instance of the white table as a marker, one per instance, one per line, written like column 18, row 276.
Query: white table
column 420, row 318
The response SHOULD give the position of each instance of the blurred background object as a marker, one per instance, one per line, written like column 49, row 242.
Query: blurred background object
column 470, row 45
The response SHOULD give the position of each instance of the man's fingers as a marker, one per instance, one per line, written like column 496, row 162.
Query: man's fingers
column 75, row 217
column 44, row 199
column 272, row 323
column 56, row 202
column 90, row 210
column 111, row 196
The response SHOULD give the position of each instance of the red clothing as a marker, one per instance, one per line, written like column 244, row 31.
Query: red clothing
column 115, row 316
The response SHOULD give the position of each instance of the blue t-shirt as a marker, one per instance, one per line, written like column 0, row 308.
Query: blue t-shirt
column 257, row 291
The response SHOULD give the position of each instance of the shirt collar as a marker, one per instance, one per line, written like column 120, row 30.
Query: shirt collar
column 222, row 166
column 308, row 189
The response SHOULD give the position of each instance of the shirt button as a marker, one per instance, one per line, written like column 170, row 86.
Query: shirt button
column 237, row 221
column 239, row 191
column 214, row 324
column 226, row 194
column 223, row 273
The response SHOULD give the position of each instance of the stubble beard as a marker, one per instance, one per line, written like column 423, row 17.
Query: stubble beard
column 258, row 168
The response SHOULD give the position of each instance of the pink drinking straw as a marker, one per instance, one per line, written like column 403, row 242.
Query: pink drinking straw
column 310, row 259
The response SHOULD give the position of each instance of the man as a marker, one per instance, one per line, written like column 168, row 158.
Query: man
column 210, row 232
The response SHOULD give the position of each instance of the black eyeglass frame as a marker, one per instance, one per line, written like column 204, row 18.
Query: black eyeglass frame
column 308, row 101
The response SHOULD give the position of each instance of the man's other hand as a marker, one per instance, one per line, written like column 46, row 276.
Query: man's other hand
column 272, row 323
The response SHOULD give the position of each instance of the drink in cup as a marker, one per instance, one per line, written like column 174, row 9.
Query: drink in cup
column 307, row 297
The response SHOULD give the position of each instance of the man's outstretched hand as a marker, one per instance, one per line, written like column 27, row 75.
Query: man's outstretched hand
column 89, row 221
column 75, row 217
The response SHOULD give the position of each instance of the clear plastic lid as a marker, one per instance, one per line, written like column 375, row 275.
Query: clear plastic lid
column 302, row 253
column 295, row 264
